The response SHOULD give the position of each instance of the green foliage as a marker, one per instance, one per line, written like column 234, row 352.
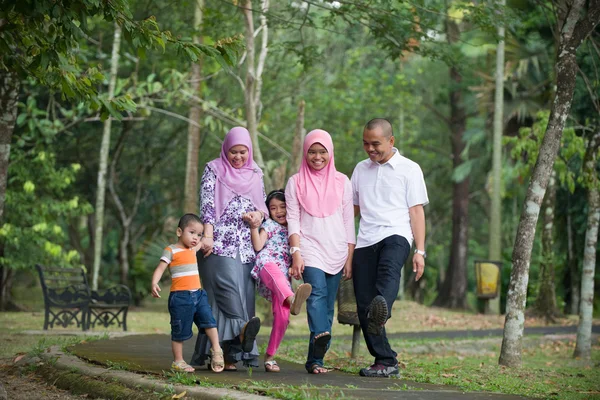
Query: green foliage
column 39, row 197
column 42, row 39
column 525, row 149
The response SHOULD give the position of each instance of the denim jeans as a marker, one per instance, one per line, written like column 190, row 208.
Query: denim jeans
column 319, row 306
column 376, row 271
column 187, row 307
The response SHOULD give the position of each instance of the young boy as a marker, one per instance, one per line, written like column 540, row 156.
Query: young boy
column 188, row 301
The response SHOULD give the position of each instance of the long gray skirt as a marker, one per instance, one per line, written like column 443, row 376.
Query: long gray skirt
column 230, row 290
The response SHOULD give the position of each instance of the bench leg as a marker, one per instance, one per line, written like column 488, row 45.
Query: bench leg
column 125, row 319
column 46, row 318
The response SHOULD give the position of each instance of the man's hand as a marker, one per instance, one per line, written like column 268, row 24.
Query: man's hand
column 418, row 265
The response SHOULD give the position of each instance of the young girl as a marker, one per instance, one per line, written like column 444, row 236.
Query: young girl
column 271, row 271
column 321, row 226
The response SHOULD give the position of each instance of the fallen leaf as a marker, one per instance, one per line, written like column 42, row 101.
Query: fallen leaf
column 17, row 358
column 402, row 364
column 449, row 375
column 180, row 395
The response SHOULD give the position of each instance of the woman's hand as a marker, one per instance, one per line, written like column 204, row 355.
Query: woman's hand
column 297, row 265
column 253, row 219
column 347, row 274
column 207, row 246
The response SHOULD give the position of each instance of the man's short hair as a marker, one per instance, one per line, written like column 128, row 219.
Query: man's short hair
column 187, row 219
column 384, row 124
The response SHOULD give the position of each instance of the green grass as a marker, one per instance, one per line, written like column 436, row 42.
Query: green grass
column 548, row 371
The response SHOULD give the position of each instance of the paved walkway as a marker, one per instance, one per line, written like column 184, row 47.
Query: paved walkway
column 152, row 354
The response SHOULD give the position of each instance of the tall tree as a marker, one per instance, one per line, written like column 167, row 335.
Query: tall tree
column 254, row 71
column 545, row 302
column 193, row 143
column 9, row 89
column 495, row 245
column 583, row 345
column 575, row 23
column 103, row 163
column 453, row 293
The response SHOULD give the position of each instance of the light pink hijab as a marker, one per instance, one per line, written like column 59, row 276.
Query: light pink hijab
column 319, row 192
column 245, row 181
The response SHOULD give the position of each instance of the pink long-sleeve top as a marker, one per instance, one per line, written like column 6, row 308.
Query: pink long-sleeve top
column 323, row 241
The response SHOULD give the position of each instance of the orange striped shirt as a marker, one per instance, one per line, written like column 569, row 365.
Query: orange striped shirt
column 183, row 267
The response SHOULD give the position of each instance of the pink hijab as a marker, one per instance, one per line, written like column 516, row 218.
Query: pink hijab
column 245, row 181
column 319, row 192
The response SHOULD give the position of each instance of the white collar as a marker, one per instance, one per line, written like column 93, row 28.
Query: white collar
column 392, row 162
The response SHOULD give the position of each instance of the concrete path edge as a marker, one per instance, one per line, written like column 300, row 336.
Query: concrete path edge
column 59, row 360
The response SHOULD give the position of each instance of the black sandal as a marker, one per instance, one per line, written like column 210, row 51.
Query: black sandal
column 320, row 345
column 317, row 369
column 249, row 333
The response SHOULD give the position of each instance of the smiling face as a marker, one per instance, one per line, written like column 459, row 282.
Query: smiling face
column 277, row 211
column 237, row 156
column 190, row 235
column 317, row 157
column 377, row 145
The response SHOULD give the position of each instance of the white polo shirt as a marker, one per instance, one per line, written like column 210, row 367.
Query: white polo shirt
column 384, row 193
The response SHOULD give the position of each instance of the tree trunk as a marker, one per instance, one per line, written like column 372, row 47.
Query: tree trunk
column 545, row 305
column 298, row 142
column 250, row 90
column 453, row 293
column 572, row 34
column 495, row 250
column 583, row 346
column 103, row 162
column 9, row 91
column 193, row 146
column 573, row 270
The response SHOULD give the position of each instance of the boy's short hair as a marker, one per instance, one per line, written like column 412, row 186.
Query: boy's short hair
column 187, row 219
column 278, row 194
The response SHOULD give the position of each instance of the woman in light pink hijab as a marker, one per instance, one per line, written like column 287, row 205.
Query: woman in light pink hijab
column 320, row 217
column 232, row 187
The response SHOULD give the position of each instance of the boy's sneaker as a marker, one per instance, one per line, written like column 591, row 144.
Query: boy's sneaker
column 377, row 315
column 380, row 371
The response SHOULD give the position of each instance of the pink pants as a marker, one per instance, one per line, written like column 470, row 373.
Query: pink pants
column 276, row 281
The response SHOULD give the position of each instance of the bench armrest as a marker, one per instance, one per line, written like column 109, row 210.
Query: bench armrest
column 117, row 295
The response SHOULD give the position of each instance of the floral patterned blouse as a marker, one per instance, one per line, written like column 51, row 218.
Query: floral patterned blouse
column 230, row 233
column 276, row 250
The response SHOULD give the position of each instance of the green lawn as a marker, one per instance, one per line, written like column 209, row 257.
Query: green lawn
column 548, row 371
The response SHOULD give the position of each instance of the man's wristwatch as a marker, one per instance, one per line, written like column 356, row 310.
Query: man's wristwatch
column 294, row 249
column 421, row 252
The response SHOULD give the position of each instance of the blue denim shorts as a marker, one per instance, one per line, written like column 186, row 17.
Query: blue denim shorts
column 188, row 307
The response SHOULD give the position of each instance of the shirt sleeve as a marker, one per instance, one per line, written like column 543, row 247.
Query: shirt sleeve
column 292, row 207
column 348, row 212
column 416, row 191
column 354, row 187
column 167, row 255
column 269, row 227
column 207, row 197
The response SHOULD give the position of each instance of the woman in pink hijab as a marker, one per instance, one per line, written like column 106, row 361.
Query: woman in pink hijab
column 232, row 186
column 320, row 217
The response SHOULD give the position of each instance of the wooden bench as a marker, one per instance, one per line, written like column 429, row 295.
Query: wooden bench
column 69, row 300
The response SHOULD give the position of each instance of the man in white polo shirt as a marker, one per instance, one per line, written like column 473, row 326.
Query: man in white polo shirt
column 389, row 194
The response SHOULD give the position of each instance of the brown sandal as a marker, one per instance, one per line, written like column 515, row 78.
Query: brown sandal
column 300, row 297
column 217, row 362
